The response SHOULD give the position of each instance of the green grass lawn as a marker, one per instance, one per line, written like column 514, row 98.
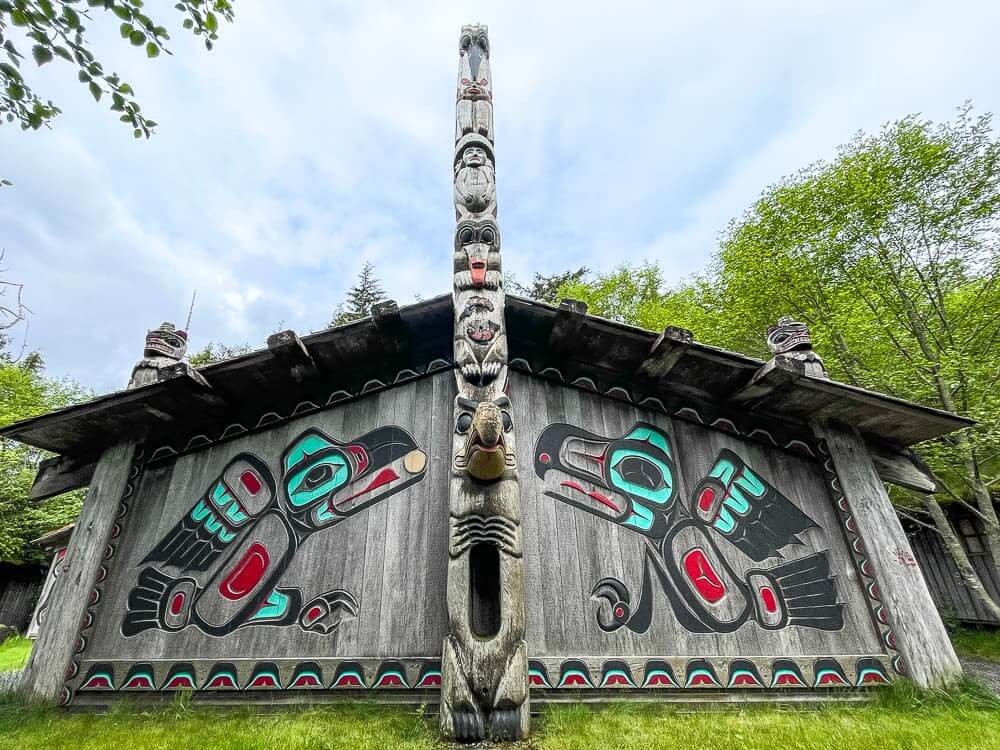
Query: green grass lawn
column 14, row 653
column 978, row 644
column 898, row 718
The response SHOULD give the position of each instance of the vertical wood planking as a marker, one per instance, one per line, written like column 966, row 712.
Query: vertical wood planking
column 43, row 677
column 920, row 635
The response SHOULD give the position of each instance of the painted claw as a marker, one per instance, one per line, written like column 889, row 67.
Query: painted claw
column 326, row 612
column 613, row 609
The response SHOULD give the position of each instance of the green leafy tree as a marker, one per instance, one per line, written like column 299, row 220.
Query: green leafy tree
column 216, row 353
column 546, row 288
column 26, row 392
column 56, row 30
column 360, row 298
column 891, row 254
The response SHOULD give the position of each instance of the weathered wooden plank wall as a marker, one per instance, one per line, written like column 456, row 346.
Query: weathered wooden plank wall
column 567, row 550
column 952, row 597
column 391, row 556
column 19, row 588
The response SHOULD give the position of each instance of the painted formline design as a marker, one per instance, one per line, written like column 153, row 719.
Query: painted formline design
column 866, row 572
column 74, row 668
column 269, row 418
column 797, row 443
column 681, row 673
column 417, row 673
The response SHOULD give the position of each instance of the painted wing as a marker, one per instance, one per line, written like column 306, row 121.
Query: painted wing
column 747, row 511
column 241, row 493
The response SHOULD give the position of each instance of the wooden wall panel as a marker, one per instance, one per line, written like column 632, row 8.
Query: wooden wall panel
column 568, row 550
column 390, row 556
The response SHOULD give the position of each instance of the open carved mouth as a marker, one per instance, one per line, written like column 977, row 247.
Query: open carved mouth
column 478, row 271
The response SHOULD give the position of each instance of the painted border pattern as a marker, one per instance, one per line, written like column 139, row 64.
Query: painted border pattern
column 131, row 483
column 866, row 572
column 418, row 673
column 673, row 673
column 270, row 418
column 797, row 442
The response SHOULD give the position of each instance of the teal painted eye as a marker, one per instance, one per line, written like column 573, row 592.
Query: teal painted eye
column 641, row 475
column 653, row 437
column 641, row 518
column 317, row 478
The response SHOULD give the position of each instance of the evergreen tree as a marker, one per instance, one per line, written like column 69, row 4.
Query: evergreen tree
column 360, row 298
column 546, row 288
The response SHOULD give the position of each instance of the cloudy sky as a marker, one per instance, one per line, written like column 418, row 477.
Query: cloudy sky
column 318, row 135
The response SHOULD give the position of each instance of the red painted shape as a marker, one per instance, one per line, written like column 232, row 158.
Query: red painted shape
column 177, row 603
column 701, row 573
column 313, row 613
column 575, row 679
column 305, row 680
column 180, row 681
column 381, row 479
column 360, row 456
column 769, row 599
column 264, row 680
column 831, row 679
column 390, row 680
column 788, row 679
column 874, row 677
column 619, row 612
column 701, row 679
column 705, row 499
column 478, row 271
column 536, row 680
column 139, row 682
column 251, row 482
column 431, row 680
column 98, row 683
column 246, row 574
column 744, row 680
column 544, row 457
column 661, row 679
column 602, row 499
column 617, row 679
column 348, row 680
column 222, row 681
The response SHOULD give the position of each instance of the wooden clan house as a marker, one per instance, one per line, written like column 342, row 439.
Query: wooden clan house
column 479, row 502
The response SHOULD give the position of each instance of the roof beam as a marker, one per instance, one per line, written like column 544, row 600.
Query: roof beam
column 389, row 325
column 768, row 384
column 566, row 327
column 288, row 349
column 668, row 349
column 61, row 474
column 902, row 467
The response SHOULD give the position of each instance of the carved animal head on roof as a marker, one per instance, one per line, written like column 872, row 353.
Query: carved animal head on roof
column 166, row 341
column 788, row 335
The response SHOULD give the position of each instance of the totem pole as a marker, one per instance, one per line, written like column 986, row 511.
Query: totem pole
column 484, row 690
column 790, row 340
column 165, row 346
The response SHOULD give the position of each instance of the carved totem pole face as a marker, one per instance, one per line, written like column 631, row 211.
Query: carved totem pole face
column 477, row 255
column 486, row 425
column 474, row 74
column 788, row 335
column 166, row 341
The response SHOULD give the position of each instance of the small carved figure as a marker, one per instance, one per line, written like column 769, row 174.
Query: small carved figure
column 474, row 110
column 480, row 343
column 164, row 346
column 477, row 255
column 475, row 179
column 790, row 338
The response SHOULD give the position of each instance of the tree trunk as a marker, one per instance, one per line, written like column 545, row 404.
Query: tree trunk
column 957, row 553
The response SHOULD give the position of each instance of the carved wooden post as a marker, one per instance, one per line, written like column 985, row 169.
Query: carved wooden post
column 928, row 656
column 53, row 652
column 484, row 690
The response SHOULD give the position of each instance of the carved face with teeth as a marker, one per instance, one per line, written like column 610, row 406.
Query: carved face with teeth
column 485, row 454
column 166, row 341
column 787, row 336
column 477, row 245
column 474, row 62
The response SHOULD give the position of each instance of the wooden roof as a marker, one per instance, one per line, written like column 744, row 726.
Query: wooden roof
column 562, row 343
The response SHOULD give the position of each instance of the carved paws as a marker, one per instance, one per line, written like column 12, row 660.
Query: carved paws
column 326, row 612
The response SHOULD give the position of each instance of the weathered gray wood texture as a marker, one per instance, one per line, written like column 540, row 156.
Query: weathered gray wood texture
column 567, row 550
column 53, row 651
column 951, row 596
column 19, row 589
column 920, row 635
column 392, row 556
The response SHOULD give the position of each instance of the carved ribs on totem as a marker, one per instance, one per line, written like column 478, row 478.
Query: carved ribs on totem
column 484, row 687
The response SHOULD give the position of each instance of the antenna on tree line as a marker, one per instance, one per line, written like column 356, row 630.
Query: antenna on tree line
column 187, row 326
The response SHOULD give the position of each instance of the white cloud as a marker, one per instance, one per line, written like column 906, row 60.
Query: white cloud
column 318, row 136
